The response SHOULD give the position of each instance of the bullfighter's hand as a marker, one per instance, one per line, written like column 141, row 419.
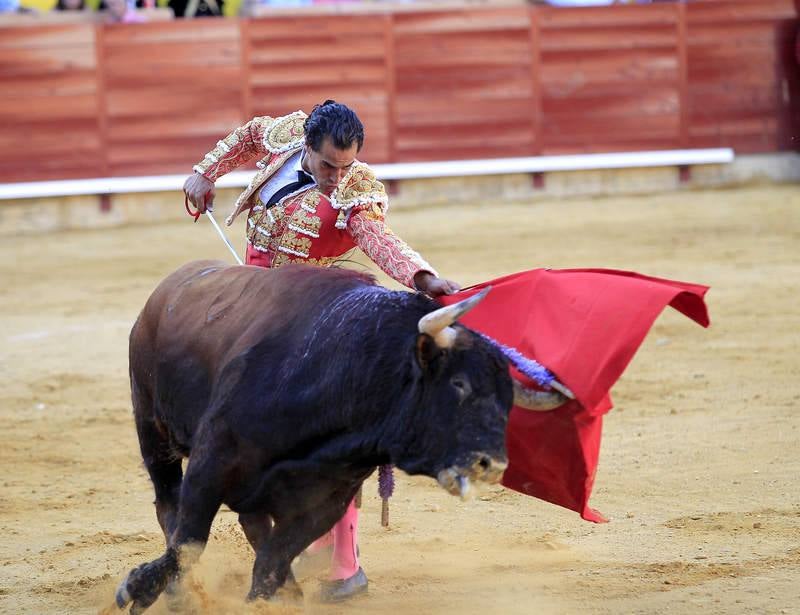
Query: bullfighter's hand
column 200, row 191
column 433, row 286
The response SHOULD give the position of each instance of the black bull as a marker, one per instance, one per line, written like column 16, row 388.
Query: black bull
column 285, row 389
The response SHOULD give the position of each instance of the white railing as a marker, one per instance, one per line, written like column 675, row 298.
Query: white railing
column 394, row 171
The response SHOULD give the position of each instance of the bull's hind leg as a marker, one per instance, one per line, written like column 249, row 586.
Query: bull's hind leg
column 200, row 499
column 163, row 464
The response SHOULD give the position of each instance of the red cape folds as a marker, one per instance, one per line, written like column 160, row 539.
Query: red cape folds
column 584, row 325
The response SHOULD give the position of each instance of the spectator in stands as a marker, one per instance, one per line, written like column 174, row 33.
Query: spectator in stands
column 286, row 2
column 119, row 11
column 13, row 6
column 594, row 2
column 197, row 8
column 70, row 5
column 250, row 8
column 580, row 2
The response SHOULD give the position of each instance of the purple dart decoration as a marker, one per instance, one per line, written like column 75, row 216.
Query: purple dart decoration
column 533, row 370
column 385, row 481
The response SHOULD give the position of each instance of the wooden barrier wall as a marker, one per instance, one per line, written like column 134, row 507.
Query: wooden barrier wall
column 463, row 84
column 296, row 62
column 168, row 92
column 744, row 76
column 49, row 103
column 86, row 100
column 614, row 82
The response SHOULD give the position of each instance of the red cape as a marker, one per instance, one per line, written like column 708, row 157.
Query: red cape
column 584, row 325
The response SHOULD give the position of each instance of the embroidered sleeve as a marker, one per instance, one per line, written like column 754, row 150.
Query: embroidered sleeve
column 242, row 145
column 370, row 233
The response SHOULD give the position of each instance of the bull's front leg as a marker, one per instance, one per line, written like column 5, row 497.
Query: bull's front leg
column 258, row 528
column 200, row 499
column 289, row 537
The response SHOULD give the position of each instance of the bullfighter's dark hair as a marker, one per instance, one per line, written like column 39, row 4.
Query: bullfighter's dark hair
column 334, row 120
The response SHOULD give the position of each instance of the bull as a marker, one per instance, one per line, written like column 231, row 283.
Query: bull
column 285, row 388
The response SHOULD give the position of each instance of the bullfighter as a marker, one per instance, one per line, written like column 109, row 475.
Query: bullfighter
column 311, row 201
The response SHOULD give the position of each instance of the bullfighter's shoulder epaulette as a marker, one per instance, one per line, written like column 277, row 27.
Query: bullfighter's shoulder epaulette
column 359, row 187
column 286, row 133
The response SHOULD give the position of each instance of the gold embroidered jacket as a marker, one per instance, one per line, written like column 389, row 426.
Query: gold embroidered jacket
column 308, row 226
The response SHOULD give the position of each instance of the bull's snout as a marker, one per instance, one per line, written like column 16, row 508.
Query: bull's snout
column 484, row 468
column 488, row 469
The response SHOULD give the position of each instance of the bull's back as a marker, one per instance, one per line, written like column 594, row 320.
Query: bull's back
column 197, row 309
column 216, row 311
column 206, row 315
column 154, row 318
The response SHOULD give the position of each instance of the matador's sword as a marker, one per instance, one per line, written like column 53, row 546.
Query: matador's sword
column 196, row 214
column 224, row 238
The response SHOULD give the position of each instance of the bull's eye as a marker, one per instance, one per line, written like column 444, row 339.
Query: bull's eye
column 461, row 386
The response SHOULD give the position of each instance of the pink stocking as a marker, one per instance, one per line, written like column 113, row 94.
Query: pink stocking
column 344, row 563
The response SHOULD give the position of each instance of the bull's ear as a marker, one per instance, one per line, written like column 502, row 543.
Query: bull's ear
column 427, row 351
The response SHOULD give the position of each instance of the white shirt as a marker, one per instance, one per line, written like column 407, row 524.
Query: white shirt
column 285, row 175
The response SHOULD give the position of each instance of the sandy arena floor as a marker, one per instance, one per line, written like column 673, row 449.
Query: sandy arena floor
column 698, row 471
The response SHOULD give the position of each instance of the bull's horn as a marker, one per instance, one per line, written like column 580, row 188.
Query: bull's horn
column 531, row 399
column 555, row 384
column 437, row 323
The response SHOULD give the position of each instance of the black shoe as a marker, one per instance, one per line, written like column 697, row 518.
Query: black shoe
column 344, row 589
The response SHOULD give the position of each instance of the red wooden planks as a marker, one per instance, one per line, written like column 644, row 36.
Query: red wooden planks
column 48, row 102
column 463, row 84
column 610, row 78
column 296, row 63
column 735, row 73
column 172, row 89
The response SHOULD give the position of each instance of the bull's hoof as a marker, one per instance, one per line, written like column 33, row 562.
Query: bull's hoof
column 344, row 589
column 290, row 595
column 123, row 596
column 142, row 587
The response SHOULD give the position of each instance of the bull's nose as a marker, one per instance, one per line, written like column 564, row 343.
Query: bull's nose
column 498, row 465
column 488, row 468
